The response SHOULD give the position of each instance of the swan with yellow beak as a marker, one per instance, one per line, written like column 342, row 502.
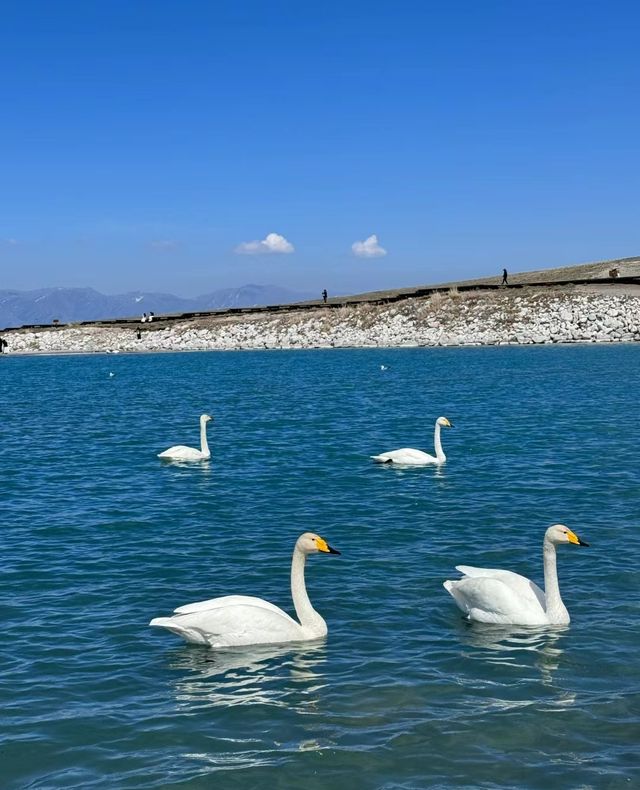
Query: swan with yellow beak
column 487, row 595
column 407, row 456
column 235, row 620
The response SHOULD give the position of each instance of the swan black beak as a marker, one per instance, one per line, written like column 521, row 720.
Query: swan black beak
column 324, row 547
column 573, row 538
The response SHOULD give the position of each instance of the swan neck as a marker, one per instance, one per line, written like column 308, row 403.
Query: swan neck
column 309, row 619
column 438, row 444
column 204, row 446
column 556, row 610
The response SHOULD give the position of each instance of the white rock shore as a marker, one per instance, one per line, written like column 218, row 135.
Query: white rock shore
column 523, row 316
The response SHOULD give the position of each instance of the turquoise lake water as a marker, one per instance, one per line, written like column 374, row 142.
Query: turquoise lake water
column 98, row 536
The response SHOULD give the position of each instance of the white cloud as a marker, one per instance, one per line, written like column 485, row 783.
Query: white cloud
column 369, row 248
column 167, row 245
column 272, row 243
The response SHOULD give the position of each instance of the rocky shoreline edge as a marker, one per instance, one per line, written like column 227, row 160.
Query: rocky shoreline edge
column 474, row 318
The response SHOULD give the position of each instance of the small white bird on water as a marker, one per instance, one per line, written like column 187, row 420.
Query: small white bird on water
column 235, row 620
column 488, row 595
column 407, row 456
column 180, row 452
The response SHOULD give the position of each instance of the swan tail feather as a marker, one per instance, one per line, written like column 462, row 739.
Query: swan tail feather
column 381, row 459
column 188, row 634
column 160, row 622
column 450, row 587
column 469, row 570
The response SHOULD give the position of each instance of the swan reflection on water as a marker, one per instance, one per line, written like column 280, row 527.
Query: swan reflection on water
column 511, row 640
column 437, row 471
column 520, row 647
column 202, row 467
column 278, row 675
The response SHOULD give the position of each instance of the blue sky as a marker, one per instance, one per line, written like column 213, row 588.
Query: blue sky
column 143, row 143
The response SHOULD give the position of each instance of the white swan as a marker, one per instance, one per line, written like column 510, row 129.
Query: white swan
column 181, row 453
column 243, row 620
column 410, row 457
column 487, row 595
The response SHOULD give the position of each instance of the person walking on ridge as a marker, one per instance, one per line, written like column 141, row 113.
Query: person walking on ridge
column 324, row 296
column 504, row 277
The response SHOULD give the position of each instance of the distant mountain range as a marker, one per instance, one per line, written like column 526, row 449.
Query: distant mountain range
column 84, row 304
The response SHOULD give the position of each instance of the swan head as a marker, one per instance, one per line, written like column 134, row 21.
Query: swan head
column 205, row 418
column 310, row 543
column 444, row 422
column 558, row 533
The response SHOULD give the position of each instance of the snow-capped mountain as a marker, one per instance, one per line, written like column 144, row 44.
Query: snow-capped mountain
column 85, row 304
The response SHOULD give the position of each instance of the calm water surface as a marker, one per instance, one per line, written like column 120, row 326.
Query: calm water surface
column 98, row 536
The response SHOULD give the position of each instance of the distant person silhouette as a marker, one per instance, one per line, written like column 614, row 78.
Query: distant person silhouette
column 504, row 277
column 3, row 344
column 324, row 296
column 139, row 333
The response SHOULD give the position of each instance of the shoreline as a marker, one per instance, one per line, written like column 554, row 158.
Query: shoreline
column 526, row 316
column 407, row 346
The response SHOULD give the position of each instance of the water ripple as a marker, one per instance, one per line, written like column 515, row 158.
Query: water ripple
column 99, row 536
